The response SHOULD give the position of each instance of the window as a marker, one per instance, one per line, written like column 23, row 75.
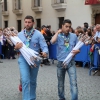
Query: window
column 5, row 24
column 59, row 1
column 17, row 4
column 97, row 19
column 36, row 3
column 38, row 23
column 19, row 25
column 61, row 19
column 5, row 5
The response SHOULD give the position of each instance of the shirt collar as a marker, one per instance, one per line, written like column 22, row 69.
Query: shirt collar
column 66, row 34
column 29, row 32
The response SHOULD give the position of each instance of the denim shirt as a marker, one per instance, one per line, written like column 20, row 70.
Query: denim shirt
column 62, row 53
column 37, row 41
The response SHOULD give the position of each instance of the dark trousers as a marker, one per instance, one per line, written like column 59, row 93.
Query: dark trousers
column 11, row 52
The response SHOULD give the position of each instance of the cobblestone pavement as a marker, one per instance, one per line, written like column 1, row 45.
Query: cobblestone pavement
column 88, row 86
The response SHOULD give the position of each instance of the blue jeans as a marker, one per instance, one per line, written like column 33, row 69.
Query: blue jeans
column 28, row 78
column 71, row 69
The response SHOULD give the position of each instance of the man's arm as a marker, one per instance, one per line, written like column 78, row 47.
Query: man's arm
column 43, row 46
column 18, row 46
column 54, row 38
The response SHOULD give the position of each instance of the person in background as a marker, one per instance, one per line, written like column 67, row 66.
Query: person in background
column 11, row 51
column 43, row 31
column 72, row 30
column 63, row 37
column 94, row 31
column 89, row 32
column 47, row 39
column 3, row 43
column 97, row 35
column 78, row 30
column 49, row 36
column 86, row 25
column 48, row 31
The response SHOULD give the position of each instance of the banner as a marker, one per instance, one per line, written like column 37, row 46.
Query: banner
column 92, row 2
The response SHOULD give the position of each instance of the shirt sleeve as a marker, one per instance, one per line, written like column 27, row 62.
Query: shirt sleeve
column 56, row 40
column 43, row 44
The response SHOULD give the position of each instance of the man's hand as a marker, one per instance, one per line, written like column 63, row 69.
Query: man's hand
column 75, row 52
column 48, row 43
column 43, row 54
column 18, row 45
column 54, row 38
column 59, row 31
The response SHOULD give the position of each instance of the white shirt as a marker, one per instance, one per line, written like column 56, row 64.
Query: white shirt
column 97, row 35
column 1, row 39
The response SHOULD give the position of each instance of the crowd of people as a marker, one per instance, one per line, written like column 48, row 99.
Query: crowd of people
column 6, row 47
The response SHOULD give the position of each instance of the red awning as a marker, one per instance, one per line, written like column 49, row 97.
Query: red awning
column 92, row 2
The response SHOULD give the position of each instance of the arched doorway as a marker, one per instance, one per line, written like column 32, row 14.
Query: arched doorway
column 95, row 14
column 97, row 19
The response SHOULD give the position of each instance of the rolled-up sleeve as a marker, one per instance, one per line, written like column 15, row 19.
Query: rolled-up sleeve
column 43, row 44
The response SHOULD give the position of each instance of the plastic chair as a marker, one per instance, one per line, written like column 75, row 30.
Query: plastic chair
column 83, row 55
column 53, row 52
column 1, row 51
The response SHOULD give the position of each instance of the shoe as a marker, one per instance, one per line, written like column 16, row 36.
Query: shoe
column 46, row 63
column 1, row 62
column 42, row 62
column 20, row 88
column 13, row 58
column 8, row 57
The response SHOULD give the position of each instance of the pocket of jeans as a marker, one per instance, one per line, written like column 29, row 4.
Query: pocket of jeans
column 37, row 63
column 72, row 63
column 59, row 64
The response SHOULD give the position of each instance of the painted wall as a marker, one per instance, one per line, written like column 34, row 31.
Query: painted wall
column 78, row 12
column 75, row 10
column 12, row 18
column 0, row 15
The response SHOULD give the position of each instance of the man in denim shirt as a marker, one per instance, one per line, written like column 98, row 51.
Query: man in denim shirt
column 28, row 74
column 65, row 43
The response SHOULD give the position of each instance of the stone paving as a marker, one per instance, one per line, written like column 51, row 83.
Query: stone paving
column 88, row 86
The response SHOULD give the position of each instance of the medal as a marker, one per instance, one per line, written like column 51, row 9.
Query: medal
column 66, row 42
column 28, row 38
column 27, row 43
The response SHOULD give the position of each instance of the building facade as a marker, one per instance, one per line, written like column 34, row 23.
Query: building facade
column 0, row 14
column 49, row 12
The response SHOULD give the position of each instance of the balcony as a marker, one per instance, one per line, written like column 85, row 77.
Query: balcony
column 5, row 11
column 59, row 5
column 36, row 6
column 17, row 7
column 18, row 11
